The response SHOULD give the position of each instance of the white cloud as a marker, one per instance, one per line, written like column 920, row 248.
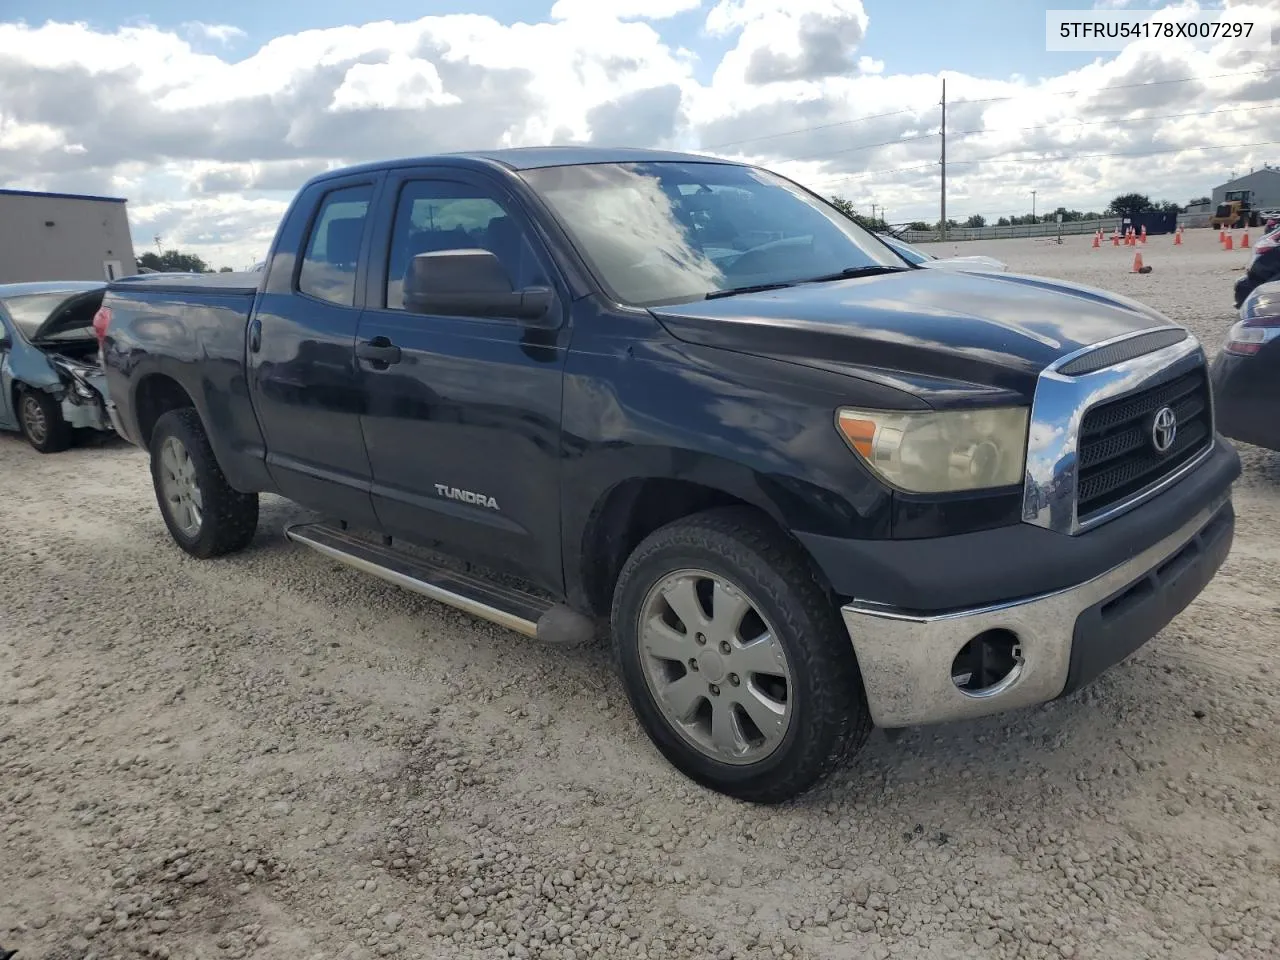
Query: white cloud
column 209, row 148
column 620, row 9
column 402, row 83
column 221, row 32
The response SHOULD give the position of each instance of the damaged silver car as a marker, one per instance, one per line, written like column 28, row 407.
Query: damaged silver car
column 51, row 381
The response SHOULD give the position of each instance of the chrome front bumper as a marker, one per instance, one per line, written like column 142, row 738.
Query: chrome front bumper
column 906, row 659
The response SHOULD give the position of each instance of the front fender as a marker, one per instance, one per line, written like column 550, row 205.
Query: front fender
column 29, row 366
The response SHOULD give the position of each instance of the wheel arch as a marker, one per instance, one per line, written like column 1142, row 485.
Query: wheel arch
column 631, row 509
column 155, row 395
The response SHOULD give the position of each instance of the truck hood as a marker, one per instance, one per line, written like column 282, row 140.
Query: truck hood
column 942, row 335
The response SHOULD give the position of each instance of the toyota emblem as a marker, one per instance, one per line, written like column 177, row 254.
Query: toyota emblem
column 1164, row 428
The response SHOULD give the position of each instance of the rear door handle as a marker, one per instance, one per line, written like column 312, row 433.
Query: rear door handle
column 380, row 352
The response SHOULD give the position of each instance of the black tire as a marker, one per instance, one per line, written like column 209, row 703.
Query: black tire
column 830, row 721
column 228, row 518
column 40, row 416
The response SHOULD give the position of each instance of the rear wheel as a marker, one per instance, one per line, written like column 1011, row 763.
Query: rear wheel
column 734, row 658
column 40, row 416
column 205, row 514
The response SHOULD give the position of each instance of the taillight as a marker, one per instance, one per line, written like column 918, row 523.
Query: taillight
column 101, row 321
column 1248, row 337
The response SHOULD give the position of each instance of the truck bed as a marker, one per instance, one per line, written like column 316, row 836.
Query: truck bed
column 183, row 335
column 230, row 283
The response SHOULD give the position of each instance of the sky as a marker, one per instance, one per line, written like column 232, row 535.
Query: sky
column 208, row 118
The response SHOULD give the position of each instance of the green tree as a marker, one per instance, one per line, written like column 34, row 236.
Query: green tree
column 1128, row 204
column 1198, row 200
column 174, row 261
column 918, row 225
column 976, row 220
column 225, row 270
column 1168, row 206
column 844, row 206
column 867, row 223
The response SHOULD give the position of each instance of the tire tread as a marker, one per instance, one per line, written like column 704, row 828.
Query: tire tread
column 230, row 517
column 841, row 720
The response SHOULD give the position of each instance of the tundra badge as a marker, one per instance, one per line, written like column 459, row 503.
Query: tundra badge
column 466, row 496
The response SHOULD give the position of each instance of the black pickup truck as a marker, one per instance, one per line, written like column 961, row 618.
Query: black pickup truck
column 806, row 486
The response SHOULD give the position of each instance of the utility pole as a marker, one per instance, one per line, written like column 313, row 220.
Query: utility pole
column 943, row 225
column 1033, row 206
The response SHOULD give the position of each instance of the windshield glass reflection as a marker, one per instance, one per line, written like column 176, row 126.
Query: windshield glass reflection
column 668, row 232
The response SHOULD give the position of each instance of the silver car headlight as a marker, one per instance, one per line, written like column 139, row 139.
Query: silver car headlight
column 940, row 451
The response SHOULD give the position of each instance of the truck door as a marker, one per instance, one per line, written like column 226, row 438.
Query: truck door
column 301, row 358
column 463, row 425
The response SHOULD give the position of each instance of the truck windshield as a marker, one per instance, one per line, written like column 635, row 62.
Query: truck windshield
column 666, row 231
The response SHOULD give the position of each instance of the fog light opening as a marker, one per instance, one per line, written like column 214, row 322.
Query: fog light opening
column 988, row 664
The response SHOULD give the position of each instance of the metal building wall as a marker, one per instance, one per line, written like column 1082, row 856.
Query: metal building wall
column 49, row 236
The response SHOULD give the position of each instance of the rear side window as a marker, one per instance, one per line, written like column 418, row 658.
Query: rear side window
column 333, row 249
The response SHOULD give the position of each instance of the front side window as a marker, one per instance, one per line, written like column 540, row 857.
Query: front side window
column 668, row 231
column 329, row 264
column 436, row 215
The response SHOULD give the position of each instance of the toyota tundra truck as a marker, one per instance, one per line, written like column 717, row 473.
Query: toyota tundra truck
column 806, row 487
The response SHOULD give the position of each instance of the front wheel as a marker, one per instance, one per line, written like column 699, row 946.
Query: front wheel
column 40, row 416
column 205, row 514
column 734, row 657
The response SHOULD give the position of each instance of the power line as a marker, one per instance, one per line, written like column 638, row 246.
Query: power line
column 1039, row 126
column 875, row 173
column 1119, row 120
column 1096, row 156
column 865, row 146
column 823, row 126
column 1086, row 156
column 1029, row 92
column 1119, row 86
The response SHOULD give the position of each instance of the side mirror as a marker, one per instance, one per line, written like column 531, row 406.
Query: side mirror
column 470, row 283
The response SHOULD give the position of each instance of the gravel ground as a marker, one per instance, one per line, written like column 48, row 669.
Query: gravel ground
column 272, row 756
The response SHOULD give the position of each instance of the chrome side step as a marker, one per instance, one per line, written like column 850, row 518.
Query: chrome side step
column 525, row 613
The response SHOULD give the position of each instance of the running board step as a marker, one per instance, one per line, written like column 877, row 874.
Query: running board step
column 525, row 613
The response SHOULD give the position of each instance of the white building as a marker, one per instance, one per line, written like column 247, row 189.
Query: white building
column 63, row 236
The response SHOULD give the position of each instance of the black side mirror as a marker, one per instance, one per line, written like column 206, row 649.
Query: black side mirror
column 470, row 283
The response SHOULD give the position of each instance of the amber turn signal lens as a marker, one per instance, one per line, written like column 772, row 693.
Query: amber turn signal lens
column 861, row 434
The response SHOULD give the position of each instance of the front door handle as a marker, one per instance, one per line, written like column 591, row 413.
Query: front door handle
column 255, row 335
column 380, row 352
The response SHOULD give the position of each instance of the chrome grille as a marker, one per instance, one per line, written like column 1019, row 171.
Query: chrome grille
column 1117, row 459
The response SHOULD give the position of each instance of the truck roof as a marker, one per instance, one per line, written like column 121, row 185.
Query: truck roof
column 531, row 158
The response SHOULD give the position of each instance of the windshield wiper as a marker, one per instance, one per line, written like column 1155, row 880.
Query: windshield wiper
column 849, row 273
column 753, row 288
column 845, row 274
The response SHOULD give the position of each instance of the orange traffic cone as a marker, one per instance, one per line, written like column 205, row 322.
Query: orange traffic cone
column 1222, row 234
column 1097, row 241
column 1137, row 263
column 1228, row 243
column 1244, row 241
column 1115, row 238
column 1177, row 238
column 1144, row 233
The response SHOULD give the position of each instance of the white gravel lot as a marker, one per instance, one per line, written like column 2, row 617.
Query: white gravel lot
column 271, row 755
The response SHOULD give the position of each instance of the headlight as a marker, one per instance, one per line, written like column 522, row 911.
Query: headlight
column 940, row 451
column 84, row 390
